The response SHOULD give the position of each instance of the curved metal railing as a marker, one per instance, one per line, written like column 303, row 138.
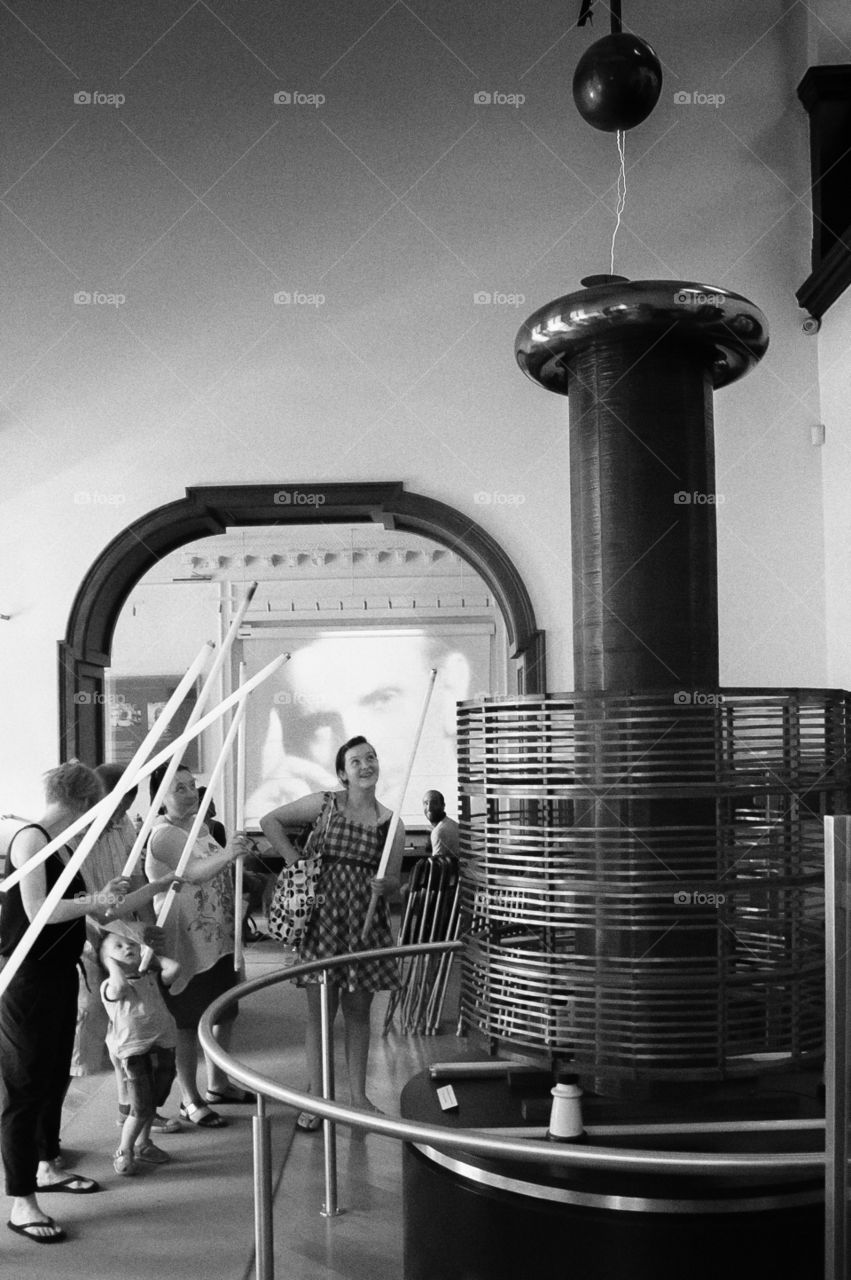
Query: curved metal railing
column 689, row 1163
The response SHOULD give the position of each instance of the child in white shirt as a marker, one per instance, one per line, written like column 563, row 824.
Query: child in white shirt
column 141, row 1037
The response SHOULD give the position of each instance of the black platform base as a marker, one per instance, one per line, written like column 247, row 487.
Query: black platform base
column 470, row 1219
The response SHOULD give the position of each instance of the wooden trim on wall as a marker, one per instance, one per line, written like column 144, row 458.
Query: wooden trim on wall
column 825, row 92
column 210, row 509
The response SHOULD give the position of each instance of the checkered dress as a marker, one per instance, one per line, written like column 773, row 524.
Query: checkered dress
column 350, row 857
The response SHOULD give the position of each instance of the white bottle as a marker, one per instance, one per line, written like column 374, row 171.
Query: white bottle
column 566, row 1111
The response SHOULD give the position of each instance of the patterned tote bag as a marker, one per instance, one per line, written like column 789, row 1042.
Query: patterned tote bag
column 295, row 891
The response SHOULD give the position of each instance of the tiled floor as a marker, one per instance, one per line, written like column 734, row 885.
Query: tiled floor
column 365, row 1241
column 195, row 1216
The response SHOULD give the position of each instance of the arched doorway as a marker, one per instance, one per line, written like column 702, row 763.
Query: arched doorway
column 85, row 652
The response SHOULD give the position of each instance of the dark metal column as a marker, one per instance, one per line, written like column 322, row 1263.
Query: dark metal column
column 639, row 360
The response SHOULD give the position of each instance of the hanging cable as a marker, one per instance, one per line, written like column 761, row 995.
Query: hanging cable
column 586, row 14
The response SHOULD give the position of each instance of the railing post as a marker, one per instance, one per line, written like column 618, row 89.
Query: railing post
column 837, row 901
column 330, row 1208
column 263, row 1240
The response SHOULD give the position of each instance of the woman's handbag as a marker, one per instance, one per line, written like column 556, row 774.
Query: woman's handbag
column 295, row 891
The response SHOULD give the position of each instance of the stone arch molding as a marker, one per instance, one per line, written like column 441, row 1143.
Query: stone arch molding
column 85, row 652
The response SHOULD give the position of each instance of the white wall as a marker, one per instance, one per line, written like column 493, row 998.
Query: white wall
column 834, row 342
column 830, row 43
column 397, row 200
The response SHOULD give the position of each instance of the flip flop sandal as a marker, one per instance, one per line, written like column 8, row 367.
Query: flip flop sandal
column 26, row 1230
column 246, row 1098
column 85, row 1188
column 308, row 1122
column 201, row 1115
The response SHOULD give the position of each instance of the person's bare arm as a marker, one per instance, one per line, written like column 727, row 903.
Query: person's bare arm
column 169, row 969
column 388, row 884
column 168, row 843
column 117, row 985
column 296, row 814
column 140, row 898
column 34, row 886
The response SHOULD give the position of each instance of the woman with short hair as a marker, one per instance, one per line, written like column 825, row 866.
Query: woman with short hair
column 38, row 1009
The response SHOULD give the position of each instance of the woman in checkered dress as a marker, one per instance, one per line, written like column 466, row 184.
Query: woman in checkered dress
column 353, row 828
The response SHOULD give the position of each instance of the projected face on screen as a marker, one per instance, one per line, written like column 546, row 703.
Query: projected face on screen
column 337, row 686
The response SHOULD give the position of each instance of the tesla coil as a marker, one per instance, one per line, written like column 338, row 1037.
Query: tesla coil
column 643, row 856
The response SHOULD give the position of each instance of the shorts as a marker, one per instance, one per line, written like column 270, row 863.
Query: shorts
column 149, row 1077
column 200, row 992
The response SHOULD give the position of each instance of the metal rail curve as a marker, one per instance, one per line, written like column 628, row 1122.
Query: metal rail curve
column 693, row 1163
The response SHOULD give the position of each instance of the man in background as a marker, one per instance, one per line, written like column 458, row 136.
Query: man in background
column 444, row 831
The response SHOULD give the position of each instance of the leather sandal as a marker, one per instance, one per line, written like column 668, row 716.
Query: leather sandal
column 243, row 1097
column 198, row 1113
